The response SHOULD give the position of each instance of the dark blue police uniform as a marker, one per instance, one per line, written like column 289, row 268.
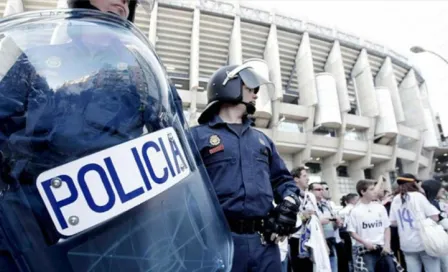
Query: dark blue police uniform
column 63, row 102
column 247, row 174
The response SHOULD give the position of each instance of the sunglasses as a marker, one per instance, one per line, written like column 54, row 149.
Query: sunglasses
column 321, row 189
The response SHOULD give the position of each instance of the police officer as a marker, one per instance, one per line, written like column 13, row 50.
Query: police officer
column 63, row 105
column 245, row 168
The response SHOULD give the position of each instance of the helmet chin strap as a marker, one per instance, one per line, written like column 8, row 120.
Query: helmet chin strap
column 250, row 108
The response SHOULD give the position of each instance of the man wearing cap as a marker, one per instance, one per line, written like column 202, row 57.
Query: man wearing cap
column 404, row 216
column 245, row 168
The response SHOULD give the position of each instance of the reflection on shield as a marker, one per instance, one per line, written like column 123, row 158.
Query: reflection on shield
column 172, row 238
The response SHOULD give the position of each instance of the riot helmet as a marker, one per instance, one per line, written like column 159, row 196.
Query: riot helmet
column 98, row 171
column 226, row 86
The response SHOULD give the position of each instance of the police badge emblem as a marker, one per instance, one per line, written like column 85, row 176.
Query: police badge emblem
column 214, row 140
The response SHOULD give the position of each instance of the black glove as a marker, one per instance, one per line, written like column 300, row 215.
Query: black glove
column 282, row 220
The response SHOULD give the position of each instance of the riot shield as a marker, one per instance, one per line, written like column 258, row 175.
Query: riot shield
column 98, row 169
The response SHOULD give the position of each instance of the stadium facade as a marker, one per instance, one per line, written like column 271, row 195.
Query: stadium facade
column 347, row 107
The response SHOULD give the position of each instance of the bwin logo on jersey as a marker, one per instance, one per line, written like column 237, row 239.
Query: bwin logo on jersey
column 371, row 225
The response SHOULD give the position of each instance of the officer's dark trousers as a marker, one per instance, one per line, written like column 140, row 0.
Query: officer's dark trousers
column 252, row 256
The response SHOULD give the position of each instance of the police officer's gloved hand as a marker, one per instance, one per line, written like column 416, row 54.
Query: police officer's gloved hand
column 281, row 222
column 287, row 215
column 270, row 229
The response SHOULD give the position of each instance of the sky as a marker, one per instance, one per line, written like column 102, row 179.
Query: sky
column 397, row 24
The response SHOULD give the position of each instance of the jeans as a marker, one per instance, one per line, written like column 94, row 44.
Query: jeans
column 334, row 260
column 414, row 261
column 444, row 263
column 285, row 265
column 371, row 260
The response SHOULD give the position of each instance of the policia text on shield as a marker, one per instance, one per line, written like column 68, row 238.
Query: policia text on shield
column 157, row 153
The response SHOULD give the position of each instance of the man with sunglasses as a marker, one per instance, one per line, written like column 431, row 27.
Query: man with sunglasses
column 245, row 168
column 330, row 223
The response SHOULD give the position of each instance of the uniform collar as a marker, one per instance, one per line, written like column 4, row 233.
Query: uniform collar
column 217, row 120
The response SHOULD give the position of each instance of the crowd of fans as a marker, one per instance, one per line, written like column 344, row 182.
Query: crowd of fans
column 371, row 230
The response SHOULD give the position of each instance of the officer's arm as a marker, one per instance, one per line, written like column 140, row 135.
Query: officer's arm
column 283, row 183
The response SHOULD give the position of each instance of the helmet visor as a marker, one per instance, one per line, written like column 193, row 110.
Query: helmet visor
column 255, row 74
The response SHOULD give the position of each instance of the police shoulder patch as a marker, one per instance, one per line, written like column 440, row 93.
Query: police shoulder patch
column 214, row 140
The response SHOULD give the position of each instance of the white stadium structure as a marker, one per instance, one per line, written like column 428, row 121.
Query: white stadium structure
column 347, row 107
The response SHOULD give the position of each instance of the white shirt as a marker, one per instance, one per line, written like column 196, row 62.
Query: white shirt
column 283, row 249
column 369, row 221
column 346, row 211
column 344, row 214
column 318, row 245
column 403, row 214
column 309, row 202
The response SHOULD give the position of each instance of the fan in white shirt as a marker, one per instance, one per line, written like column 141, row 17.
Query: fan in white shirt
column 368, row 222
column 300, row 255
column 368, row 225
column 403, row 215
column 348, row 202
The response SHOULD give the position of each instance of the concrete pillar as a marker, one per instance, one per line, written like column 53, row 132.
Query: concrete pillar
column 413, row 166
column 426, row 172
column 410, row 99
column 386, row 78
column 305, row 155
column 305, row 73
column 329, row 175
column 13, row 7
column 152, row 35
column 235, row 46
column 194, row 62
column 272, row 57
column 62, row 4
column 335, row 66
column 364, row 86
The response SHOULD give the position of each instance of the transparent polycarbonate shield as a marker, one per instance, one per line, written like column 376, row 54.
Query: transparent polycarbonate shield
column 98, row 170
